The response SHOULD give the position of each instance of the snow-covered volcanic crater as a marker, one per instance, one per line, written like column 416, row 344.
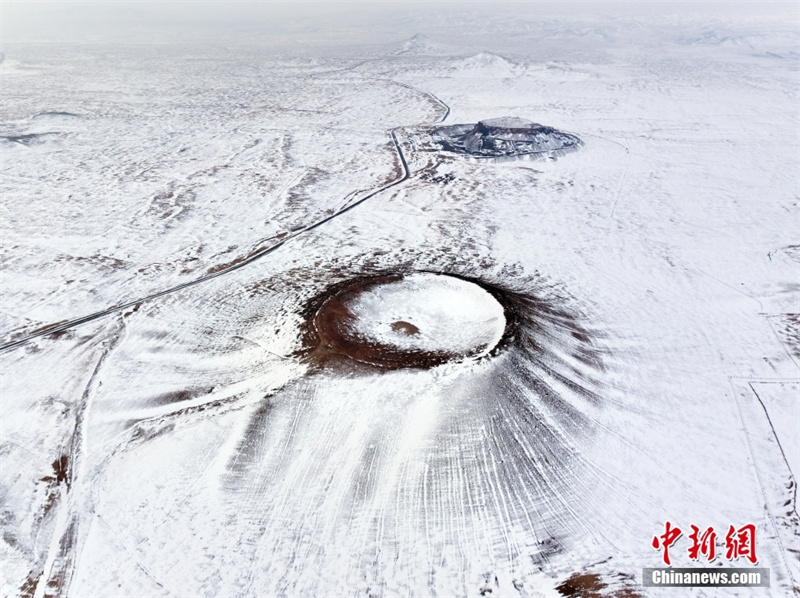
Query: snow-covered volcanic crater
column 418, row 320
column 273, row 324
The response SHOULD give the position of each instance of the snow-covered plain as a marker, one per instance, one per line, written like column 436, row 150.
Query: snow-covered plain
column 187, row 445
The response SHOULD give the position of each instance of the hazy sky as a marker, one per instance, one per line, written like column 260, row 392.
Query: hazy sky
column 143, row 20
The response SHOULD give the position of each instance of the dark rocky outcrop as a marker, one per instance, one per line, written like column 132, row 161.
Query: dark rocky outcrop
column 28, row 138
column 505, row 137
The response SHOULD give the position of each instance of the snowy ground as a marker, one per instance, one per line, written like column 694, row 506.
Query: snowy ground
column 186, row 445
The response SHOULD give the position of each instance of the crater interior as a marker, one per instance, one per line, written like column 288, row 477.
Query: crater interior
column 418, row 319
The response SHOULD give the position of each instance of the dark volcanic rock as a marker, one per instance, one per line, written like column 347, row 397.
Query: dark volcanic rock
column 505, row 137
column 28, row 138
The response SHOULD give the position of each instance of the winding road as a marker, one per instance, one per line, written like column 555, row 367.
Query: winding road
column 68, row 324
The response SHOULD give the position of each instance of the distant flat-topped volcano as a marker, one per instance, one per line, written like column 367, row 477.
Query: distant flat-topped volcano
column 507, row 122
column 505, row 137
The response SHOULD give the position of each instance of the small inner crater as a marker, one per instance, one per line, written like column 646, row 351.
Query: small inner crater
column 416, row 320
column 406, row 328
